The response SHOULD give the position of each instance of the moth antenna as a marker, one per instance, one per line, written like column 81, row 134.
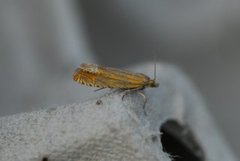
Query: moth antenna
column 155, row 75
column 155, row 66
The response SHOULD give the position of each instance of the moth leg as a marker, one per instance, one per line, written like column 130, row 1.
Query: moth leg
column 98, row 89
column 144, row 103
column 128, row 91
column 140, row 93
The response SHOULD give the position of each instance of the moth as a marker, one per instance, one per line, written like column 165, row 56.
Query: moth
column 105, row 77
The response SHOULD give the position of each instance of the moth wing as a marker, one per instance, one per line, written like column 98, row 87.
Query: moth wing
column 115, row 78
column 84, row 78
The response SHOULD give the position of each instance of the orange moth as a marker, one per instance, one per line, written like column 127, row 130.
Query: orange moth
column 104, row 77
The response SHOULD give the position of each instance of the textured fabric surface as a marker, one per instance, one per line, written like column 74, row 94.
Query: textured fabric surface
column 115, row 129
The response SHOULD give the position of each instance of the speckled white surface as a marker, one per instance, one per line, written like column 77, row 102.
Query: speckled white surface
column 115, row 129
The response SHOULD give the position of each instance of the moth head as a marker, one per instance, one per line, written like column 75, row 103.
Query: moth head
column 152, row 83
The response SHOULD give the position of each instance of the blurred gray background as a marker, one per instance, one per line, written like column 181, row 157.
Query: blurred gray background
column 42, row 42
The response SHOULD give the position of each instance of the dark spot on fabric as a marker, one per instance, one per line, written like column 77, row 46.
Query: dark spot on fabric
column 179, row 141
column 99, row 102
column 45, row 159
